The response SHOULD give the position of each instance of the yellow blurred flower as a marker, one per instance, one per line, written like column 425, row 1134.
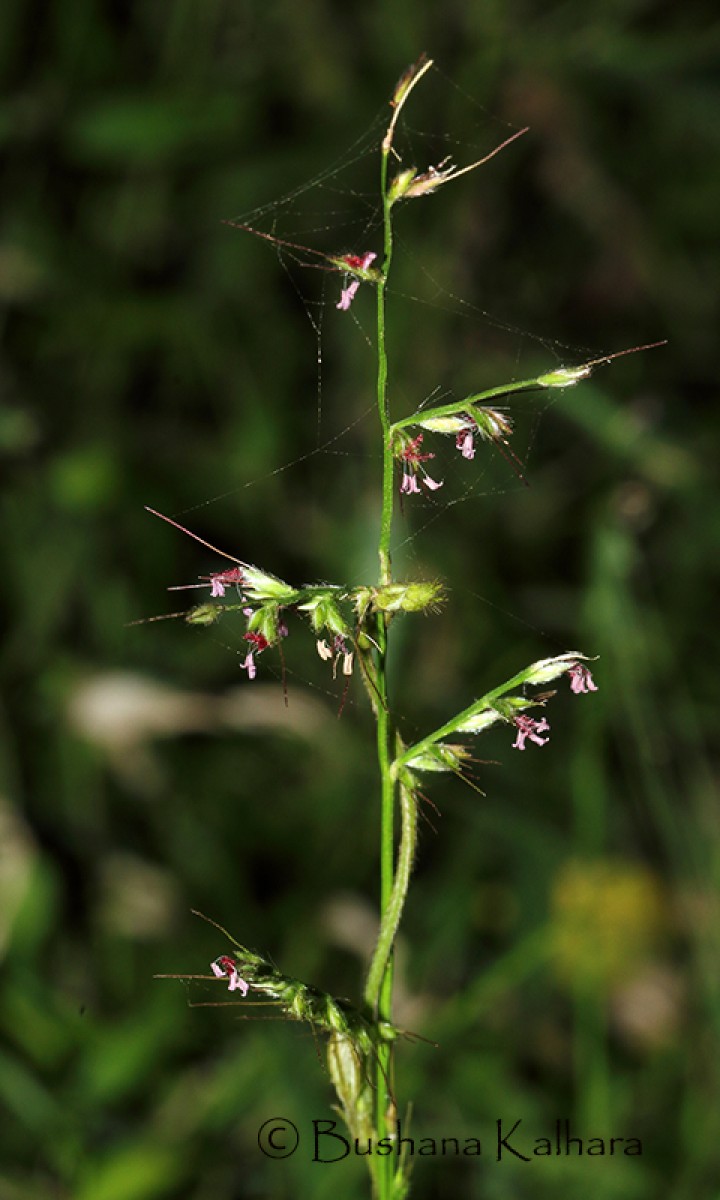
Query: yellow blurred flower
column 607, row 920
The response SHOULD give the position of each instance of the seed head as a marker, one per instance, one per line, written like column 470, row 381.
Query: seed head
column 401, row 597
column 565, row 376
column 204, row 614
column 443, row 756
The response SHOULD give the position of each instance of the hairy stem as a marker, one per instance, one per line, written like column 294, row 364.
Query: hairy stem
column 393, row 911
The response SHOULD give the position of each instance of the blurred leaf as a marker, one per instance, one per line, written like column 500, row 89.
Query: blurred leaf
column 137, row 1172
column 146, row 130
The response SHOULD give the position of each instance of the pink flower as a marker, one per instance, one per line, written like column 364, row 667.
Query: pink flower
column 414, row 472
column 528, row 727
column 225, row 967
column 218, row 581
column 248, row 664
column 354, row 262
column 465, row 441
column 223, row 579
column 409, row 484
column 259, row 642
column 348, row 295
column 580, row 679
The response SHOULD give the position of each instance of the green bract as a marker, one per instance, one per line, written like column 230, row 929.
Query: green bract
column 259, row 585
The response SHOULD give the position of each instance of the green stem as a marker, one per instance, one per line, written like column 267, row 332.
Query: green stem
column 383, row 997
column 460, row 406
column 382, row 398
column 383, row 975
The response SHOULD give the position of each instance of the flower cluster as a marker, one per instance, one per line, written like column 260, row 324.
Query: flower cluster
column 435, row 753
column 264, row 600
column 408, row 453
column 581, row 680
column 465, row 425
column 353, row 1037
column 528, row 727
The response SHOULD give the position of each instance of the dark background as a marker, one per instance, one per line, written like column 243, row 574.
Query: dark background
column 560, row 941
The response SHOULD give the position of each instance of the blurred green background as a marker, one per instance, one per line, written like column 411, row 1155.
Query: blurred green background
column 561, row 938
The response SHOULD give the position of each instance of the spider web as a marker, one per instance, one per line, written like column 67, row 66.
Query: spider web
column 338, row 212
